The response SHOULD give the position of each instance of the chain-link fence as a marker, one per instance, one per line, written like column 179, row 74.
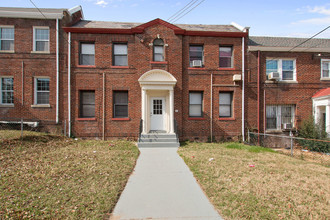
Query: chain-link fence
column 20, row 127
column 306, row 149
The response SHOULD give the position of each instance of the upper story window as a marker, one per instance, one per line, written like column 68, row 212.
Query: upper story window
column 41, row 95
column 41, row 39
column 281, row 69
column 120, row 54
column 195, row 104
column 158, row 51
column 325, row 69
column 7, row 38
column 87, row 54
column 7, row 90
column 225, row 57
column 196, row 55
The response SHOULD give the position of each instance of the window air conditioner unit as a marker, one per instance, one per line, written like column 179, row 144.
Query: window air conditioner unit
column 197, row 63
column 287, row 126
column 274, row 75
column 237, row 77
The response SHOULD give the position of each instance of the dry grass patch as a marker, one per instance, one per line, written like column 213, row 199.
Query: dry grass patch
column 46, row 176
column 249, row 182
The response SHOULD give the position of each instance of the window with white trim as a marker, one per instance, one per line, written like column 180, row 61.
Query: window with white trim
column 7, row 90
column 195, row 104
column 280, row 117
column 226, row 57
column 87, row 54
column 120, row 104
column 7, row 38
column 225, row 104
column 285, row 67
column 41, row 91
column 196, row 55
column 158, row 53
column 325, row 68
column 120, row 54
column 41, row 39
column 87, row 104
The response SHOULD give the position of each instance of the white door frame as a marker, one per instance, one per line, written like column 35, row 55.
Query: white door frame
column 157, row 121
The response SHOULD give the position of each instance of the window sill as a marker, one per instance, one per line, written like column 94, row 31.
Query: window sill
column 120, row 119
column 196, row 68
column 40, row 52
column 6, row 105
column 85, row 119
column 41, row 106
column 325, row 79
column 7, row 51
column 282, row 82
column 87, row 66
column 226, row 68
column 227, row 119
column 120, row 67
column 197, row 119
column 158, row 62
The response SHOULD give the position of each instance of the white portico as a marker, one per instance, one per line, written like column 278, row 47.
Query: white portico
column 157, row 101
column 321, row 106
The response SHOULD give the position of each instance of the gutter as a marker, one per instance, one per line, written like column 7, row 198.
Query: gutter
column 69, row 84
column 243, row 84
column 57, row 71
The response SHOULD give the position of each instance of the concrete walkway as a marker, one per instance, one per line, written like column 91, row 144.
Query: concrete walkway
column 163, row 187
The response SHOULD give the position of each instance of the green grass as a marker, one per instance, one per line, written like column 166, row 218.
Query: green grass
column 46, row 176
column 249, row 182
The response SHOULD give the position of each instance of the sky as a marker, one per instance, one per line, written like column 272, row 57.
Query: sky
column 287, row 18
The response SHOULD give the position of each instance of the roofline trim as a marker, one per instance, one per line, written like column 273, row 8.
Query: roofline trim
column 286, row 49
column 136, row 30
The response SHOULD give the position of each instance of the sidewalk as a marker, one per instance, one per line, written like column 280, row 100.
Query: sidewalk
column 162, row 187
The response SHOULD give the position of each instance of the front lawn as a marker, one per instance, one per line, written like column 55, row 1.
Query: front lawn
column 249, row 182
column 46, row 176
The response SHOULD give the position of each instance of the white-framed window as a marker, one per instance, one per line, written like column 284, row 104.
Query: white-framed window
column 7, row 35
column 120, row 54
column 158, row 52
column 280, row 117
column 7, row 90
column 87, row 54
column 285, row 67
column 196, row 55
column 225, row 56
column 41, row 91
column 41, row 39
column 226, row 104
column 325, row 68
column 87, row 104
column 195, row 104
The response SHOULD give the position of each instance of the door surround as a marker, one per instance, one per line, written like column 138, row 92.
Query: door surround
column 153, row 82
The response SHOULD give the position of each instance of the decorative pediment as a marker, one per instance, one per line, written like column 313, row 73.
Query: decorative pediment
column 157, row 76
column 158, row 21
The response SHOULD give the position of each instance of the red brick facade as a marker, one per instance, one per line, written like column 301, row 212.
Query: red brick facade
column 104, row 78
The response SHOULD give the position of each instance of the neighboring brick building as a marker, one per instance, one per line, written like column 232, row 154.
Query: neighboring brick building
column 130, row 77
column 291, row 71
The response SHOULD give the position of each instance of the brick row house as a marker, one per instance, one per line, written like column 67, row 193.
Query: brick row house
column 115, row 79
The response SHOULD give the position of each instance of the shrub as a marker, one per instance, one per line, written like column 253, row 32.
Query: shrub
column 310, row 130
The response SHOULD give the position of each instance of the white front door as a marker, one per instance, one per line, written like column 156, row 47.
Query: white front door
column 157, row 112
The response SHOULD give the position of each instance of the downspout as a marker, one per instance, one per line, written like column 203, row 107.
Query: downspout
column 243, row 75
column 211, row 110
column 264, row 110
column 69, row 84
column 258, row 108
column 22, row 83
column 103, row 104
column 57, row 72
